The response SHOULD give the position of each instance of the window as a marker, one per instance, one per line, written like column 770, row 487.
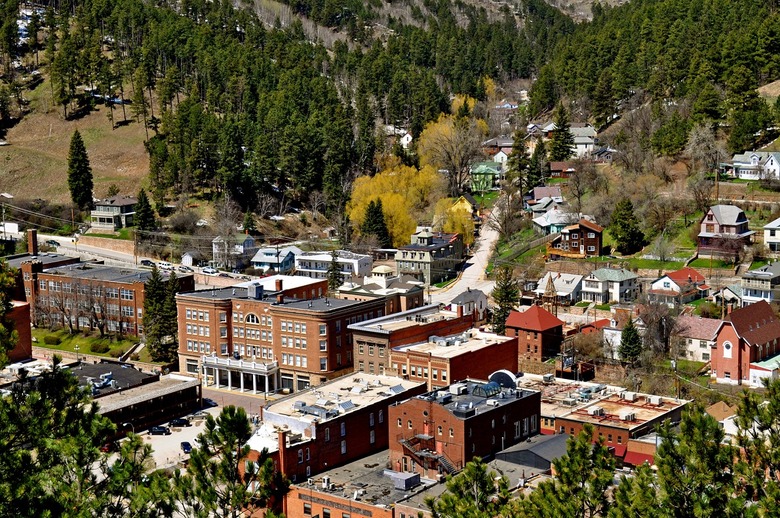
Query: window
column 399, row 422
column 439, row 430
column 361, row 366
column 381, row 416
column 323, row 364
column 300, row 456
column 323, row 345
column 251, row 318
column 343, row 451
column 326, row 512
column 372, row 436
column 609, row 437
column 371, row 350
column 343, row 429
column 444, row 375
column 323, row 329
column 307, row 509
column 327, row 434
column 308, row 454
column 518, row 432
column 435, row 373
column 360, row 348
column 591, row 235
column 371, row 419
column 452, row 432
column 409, row 424
column 705, row 357
column 620, row 439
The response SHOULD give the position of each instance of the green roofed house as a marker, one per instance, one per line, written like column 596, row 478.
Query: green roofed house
column 610, row 284
column 485, row 176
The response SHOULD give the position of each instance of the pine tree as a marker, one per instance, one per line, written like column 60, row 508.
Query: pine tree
column 79, row 173
column 213, row 484
column 637, row 496
column 249, row 222
column 630, row 343
column 505, row 295
column 144, row 214
column 583, row 477
column 374, row 224
column 334, row 274
column 562, row 140
column 474, row 492
column 168, row 322
column 625, row 228
column 518, row 162
column 8, row 336
column 153, row 321
column 538, row 167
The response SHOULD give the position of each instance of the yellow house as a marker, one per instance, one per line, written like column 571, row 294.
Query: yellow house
column 465, row 203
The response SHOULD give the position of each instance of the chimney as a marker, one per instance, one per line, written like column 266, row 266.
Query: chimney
column 460, row 310
column 278, row 284
column 282, row 438
column 32, row 241
column 280, row 298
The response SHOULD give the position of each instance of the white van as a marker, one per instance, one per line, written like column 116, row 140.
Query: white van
column 165, row 265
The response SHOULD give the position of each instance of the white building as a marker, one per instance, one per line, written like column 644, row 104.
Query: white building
column 610, row 284
column 316, row 264
column 695, row 337
column 772, row 235
column 753, row 165
column 567, row 286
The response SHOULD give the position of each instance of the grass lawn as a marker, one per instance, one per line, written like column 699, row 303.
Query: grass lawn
column 711, row 263
column 686, row 366
column 85, row 343
column 441, row 284
column 603, row 307
column 653, row 264
column 488, row 199
column 758, row 263
column 583, row 304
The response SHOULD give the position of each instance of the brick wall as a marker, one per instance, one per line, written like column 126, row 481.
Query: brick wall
column 117, row 245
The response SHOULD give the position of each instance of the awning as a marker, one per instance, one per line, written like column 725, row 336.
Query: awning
column 637, row 459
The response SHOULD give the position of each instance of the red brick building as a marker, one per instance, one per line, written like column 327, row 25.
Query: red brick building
column 441, row 360
column 746, row 346
column 539, row 333
column 373, row 339
column 262, row 340
column 330, row 425
column 438, row 432
column 20, row 316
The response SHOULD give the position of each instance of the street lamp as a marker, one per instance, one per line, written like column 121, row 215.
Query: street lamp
column 76, row 348
column 125, row 425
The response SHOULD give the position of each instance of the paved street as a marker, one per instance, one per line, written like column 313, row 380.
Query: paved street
column 473, row 275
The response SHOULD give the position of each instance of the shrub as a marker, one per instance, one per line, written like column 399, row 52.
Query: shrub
column 52, row 340
column 135, row 357
column 119, row 351
column 99, row 347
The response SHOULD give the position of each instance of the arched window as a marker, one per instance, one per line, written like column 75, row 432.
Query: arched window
column 251, row 318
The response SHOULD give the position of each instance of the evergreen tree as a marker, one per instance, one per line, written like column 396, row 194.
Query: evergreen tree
column 154, row 309
column 637, row 496
column 144, row 214
column 374, row 224
column 8, row 336
column 168, row 324
column 214, row 485
column 583, row 477
column 518, row 162
column 334, row 275
column 562, row 140
column 538, row 167
column 625, row 228
column 249, row 223
column 505, row 295
column 79, row 173
column 630, row 343
column 474, row 492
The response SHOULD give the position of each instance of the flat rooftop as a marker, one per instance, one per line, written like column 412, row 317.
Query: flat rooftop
column 320, row 305
column 289, row 282
column 133, row 396
column 615, row 410
column 468, row 398
column 455, row 345
column 124, row 375
column 410, row 318
column 101, row 272
column 369, row 480
column 15, row 261
column 562, row 396
column 337, row 397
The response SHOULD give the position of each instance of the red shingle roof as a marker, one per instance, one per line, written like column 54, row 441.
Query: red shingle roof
column 534, row 319
column 698, row 328
column 685, row 275
column 589, row 224
column 756, row 323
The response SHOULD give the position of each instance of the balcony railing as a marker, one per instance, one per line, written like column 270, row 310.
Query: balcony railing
column 242, row 365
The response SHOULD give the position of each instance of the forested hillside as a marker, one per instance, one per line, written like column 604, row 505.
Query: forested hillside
column 232, row 105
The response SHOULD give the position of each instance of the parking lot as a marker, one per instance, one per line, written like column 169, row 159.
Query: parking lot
column 166, row 449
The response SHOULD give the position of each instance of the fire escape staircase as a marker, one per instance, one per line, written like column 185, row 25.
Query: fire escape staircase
column 423, row 455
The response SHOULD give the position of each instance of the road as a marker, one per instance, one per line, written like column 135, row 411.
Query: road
column 473, row 273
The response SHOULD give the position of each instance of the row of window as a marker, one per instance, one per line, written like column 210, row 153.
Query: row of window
column 252, row 334
column 296, row 360
column 67, row 287
column 192, row 329
column 300, row 343
column 421, row 372
column 371, row 350
column 195, row 314
column 361, row 367
column 196, row 346
column 292, row 327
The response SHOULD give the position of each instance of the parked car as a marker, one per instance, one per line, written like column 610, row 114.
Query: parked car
column 179, row 422
column 165, row 265
column 147, row 262
column 159, row 430
column 52, row 242
column 185, row 269
column 208, row 402
column 223, row 274
column 186, row 447
column 110, row 447
column 210, row 271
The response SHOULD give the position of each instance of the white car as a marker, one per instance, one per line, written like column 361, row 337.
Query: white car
column 210, row 271
column 165, row 265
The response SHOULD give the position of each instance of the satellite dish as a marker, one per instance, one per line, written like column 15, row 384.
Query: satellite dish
column 504, row 378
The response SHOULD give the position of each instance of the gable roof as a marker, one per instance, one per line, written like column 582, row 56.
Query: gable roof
column 584, row 222
column 727, row 214
column 536, row 318
column 686, row 274
column 698, row 328
column 565, row 283
column 756, row 323
column 614, row 274
column 119, row 200
column 721, row 410
column 773, row 224
column 553, row 191
column 469, row 198
column 468, row 296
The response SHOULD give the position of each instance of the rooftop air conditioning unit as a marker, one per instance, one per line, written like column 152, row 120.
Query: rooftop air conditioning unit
column 310, row 481
column 596, row 411
column 628, row 416
column 628, row 396
column 492, row 402
column 654, row 400
column 326, row 482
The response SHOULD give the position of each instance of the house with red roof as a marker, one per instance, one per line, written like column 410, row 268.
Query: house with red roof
column 678, row 287
column 746, row 346
column 539, row 333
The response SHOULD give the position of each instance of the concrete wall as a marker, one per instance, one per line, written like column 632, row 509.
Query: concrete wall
column 117, row 245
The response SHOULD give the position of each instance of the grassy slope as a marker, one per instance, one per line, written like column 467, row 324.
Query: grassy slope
column 34, row 165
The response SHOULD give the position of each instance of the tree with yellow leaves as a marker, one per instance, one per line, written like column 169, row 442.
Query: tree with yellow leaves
column 451, row 145
column 407, row 196
column 453, row 219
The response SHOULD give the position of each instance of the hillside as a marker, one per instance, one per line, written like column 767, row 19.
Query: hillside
column 35, row 161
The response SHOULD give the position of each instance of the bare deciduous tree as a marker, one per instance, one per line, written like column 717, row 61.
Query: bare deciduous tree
column 452, row 145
